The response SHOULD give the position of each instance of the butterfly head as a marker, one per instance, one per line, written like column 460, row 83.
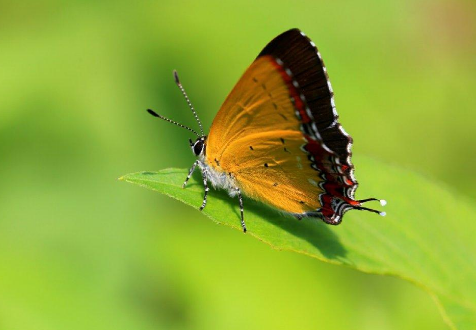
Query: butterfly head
column 199, row 146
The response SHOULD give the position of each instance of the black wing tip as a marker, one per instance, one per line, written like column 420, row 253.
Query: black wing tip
column 268, row 50
column 292, row 30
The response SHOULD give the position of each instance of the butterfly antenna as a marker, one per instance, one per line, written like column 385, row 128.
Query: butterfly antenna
column 153, row 113
column 177, row 81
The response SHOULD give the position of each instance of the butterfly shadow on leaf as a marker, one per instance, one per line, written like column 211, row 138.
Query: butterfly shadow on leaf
column 312, row 230
column 258, row 217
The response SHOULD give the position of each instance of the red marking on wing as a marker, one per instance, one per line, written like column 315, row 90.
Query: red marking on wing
column 298, row 103
column 332, row 185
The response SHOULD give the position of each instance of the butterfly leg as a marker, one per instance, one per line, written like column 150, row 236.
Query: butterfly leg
column 190, row 173
column 205, row 184
column 240, row 199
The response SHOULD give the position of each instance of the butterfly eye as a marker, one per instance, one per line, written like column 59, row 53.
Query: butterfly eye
column 198, row 147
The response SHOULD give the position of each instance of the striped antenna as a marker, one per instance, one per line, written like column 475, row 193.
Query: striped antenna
column 153, row 113
column 177, row 81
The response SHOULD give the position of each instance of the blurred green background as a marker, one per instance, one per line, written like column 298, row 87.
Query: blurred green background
column 81, row 250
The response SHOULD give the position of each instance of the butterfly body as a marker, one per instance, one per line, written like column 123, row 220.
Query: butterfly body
column 276, row 138
column 220, row 179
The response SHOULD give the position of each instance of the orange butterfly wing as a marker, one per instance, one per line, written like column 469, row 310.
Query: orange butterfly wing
column 256, row 137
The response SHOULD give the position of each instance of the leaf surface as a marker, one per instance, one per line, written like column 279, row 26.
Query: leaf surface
column 428, row 236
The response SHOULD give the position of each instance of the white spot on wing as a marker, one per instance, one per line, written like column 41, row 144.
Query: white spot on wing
column 299, row 164
column 316, row 132
column 309, row 113
column 343, row 130
column 313, row 182
column 334, row 111
column 352, row 177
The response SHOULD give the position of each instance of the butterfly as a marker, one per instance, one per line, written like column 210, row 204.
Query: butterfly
column 276, row 138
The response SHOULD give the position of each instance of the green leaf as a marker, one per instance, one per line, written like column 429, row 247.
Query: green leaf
column 428, row 236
